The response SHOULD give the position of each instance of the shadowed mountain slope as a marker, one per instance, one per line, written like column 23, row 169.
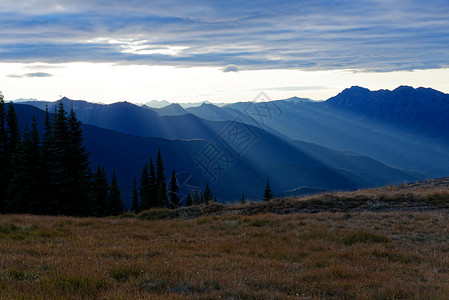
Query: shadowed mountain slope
column 290, row 165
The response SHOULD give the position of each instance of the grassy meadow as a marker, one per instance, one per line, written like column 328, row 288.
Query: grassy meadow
column 357, row 255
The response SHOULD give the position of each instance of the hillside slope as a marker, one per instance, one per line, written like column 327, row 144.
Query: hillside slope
column 406, row 128
column 288, row 166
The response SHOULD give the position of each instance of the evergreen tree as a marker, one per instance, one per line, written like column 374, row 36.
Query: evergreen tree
column 207, row 195
column 162, row 199
column 17, row 191
column 116, row 205
column 145, row 188
column 47, row 125
column 99, row 199
column 56, row 162
column 12, row 131
column 25, row 188
column 3, row 155
column 242, row 201
column 13, row 141
column 77, row 168
column 52, row 177
column 46, row 189
column 268, row 194
column 189, row 200
column 201, row 201
column 135, row 198
column 174, row 190
column 153, row 188
column 196, row 198
column 46, row 134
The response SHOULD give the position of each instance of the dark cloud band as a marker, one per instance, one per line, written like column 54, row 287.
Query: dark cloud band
column 366, row 35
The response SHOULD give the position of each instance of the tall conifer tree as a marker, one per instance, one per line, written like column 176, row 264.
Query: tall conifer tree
column 46, row 190
column 99, row 198
column 116, row 205
column 189, row 200
column 13, row 142
column 207, row 195
column 174, row 190
column 153, row 187
column 56, row 162
column 25, row 193
column 196, row 198
column 3, row 155
column 144, row 188
column 268, row 194
column 12, row 131
column 78, row 167
column 135, row 198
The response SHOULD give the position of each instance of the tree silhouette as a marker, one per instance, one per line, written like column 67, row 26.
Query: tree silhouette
column 12, row 130
column 196, row 198
column 189, row 200
column 135, row 198
column 25, row 187
column 100, row 187
column 145, row 188
column 152, row 187
column 207, row 195
column 77, row 168
column 3, row 155
column 174, row 190
column 268, row 194
column 116, row 205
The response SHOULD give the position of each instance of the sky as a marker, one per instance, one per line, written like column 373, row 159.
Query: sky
column 219, row 51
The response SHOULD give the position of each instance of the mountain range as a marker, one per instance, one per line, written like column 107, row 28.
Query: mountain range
column 354, row 140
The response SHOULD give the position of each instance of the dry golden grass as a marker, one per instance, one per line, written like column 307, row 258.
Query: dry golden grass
column 363, row 255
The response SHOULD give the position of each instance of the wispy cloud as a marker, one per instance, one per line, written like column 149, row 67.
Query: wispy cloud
column 27, row 75
column 231, row 68
column 366, row 35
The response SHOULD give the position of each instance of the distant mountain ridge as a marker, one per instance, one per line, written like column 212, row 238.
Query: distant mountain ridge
column 359, row 138
column 171, row 110
column 423, row 109
column 406, row 127
column 163, row 103
column 290, row 165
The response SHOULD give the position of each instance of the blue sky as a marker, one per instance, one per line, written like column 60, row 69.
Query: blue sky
column 195, row 46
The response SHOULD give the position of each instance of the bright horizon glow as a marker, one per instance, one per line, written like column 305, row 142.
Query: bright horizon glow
column 108, row 82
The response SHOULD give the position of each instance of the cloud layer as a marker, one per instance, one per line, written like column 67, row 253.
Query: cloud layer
column 27, row 75
column 366, row 35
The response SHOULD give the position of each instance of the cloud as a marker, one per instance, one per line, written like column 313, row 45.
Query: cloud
column 38, row 74
column 41, row 67
column 231, row 68
column 28, row 75
column 366, row 35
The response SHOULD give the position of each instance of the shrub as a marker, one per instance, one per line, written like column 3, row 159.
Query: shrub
column 439, row 200
column 127, row 215
column 260, row 223
column 18, row 275
column 123, row 274
column 154, row 214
